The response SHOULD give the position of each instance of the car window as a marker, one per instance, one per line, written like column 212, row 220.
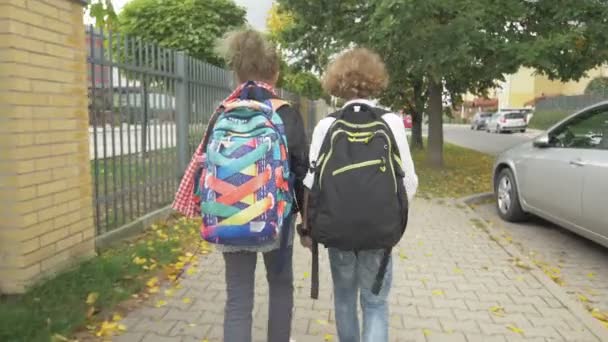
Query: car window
column 486, row 115
column 588, row 130
column 515, row 115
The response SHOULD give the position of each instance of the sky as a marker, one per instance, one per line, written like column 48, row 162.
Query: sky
column 257, row 10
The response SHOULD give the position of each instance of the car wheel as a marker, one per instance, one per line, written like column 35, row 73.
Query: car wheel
column 507, row 197
column 523, row 131
column 497, row 129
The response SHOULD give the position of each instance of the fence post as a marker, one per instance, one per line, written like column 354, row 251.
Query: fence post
column 183, row 113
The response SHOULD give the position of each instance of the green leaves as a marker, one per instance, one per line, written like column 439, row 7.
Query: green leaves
column 190, row 26
column 103, row 13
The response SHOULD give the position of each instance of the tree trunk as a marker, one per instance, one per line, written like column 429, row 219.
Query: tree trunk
column 417, row 142
column 435, row 147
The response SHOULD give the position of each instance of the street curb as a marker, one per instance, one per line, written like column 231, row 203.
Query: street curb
column 477, row 198
column 594, row 326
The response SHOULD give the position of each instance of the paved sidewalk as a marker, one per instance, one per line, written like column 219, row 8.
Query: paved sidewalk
column 451, row 283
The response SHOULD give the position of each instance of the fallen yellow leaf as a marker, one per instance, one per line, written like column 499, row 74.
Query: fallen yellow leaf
column 169, row 293
column 154, row 289
column 583, row 298
column 515, row 329
column 597, row 314
column 306, row 275
column 428, row 254
column 152, row 282
column 191, row 325
column 458, row 270
column 139, row 261
column 522, row 265
column 591, row 275
column 437, row 293
column 187, row 300
column 116, row 317
column 160, row 303
column 191, row 271
column 426, row 332
column 122, row 327
column 92, row 298
column 402, row 256
column 107, row 329
column 322, row 322
column 498, row 311
column 189, row 255
column 328, row 337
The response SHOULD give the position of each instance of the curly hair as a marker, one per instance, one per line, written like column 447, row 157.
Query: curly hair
column 250, row 56
column 356, row 73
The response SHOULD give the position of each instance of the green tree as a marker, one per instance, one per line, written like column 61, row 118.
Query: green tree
column 451, row 47
column 104, row 14
column 597, row 86
column 192, row 26
column 303, row 83
column 429, row 45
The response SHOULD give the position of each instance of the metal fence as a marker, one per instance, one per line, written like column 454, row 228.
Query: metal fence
column 570, row 103
column 148, row 109
column 551, row 110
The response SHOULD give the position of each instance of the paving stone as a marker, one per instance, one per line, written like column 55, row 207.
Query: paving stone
column 465, row 326
column 152, row 337
column 437, row 241
column 445, row 337
column 129, row 337
column 158, row 327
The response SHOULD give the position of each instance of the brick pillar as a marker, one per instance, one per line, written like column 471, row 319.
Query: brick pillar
column 45, row 183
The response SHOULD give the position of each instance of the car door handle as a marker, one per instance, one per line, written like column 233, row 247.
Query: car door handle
column 577, row 163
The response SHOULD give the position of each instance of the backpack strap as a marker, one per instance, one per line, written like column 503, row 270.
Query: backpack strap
column 314, row 278
column 278, row 103
column 381, row 271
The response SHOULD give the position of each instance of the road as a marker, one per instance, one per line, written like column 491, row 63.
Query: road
column 484, row 142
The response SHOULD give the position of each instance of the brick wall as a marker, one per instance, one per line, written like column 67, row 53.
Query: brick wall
column 45, row 185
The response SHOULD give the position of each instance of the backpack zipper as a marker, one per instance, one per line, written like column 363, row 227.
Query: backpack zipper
column 389, row 147
column 362, row 165
column 390, row 153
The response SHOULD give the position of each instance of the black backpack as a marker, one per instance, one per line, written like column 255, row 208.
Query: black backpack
column 358, row 200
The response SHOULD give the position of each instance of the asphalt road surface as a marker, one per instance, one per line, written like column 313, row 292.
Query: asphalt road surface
column 490, row 143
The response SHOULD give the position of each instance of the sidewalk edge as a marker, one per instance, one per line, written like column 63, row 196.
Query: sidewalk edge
column 576, row 308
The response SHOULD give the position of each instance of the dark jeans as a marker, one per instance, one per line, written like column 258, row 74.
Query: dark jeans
column 240, row 279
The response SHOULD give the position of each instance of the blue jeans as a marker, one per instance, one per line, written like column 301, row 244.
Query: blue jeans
column 354, row 274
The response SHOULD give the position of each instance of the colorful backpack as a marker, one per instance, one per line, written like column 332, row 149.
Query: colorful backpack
column 245, row 188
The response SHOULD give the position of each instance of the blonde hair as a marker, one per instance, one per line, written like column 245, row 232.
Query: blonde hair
column 250, row 56
column 356, row 73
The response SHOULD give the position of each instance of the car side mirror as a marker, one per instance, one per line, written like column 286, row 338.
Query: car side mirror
column 542, row 142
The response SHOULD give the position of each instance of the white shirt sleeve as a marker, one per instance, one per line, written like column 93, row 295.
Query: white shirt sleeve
column 411, row 179
column 318, row 135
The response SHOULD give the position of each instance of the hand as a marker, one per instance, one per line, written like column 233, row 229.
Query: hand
column 306, row 241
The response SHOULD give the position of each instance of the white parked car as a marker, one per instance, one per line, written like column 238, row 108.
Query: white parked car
column 509, row 121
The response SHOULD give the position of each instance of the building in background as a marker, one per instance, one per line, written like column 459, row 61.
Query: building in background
column 524, row 88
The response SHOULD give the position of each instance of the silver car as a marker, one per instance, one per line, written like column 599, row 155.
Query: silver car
column 561, row 176
column 507, row 121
